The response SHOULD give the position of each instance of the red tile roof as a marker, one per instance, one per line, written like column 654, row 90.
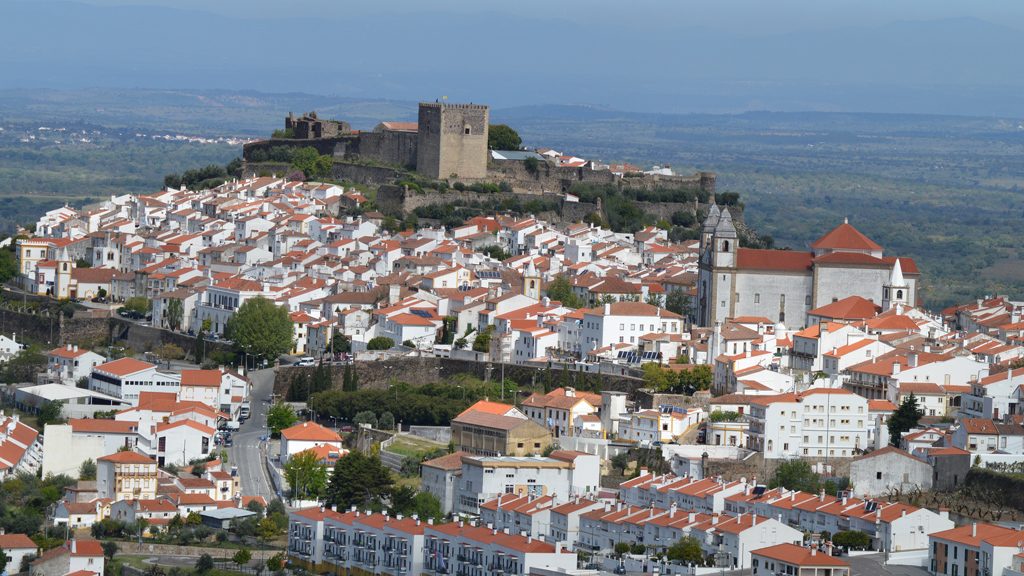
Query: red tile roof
column 777, row 260
column 845, row 237
column 310, row 431
column 124, row 366
column 205, row 378
column 798, row 556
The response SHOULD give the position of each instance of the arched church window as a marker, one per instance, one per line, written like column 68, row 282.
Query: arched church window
column 899, row 294
column 725, row 245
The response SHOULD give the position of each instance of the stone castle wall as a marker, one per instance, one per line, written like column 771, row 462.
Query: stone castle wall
column 428, row 370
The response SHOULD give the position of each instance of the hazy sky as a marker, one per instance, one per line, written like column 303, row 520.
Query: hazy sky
column 737, row 16
column 934, row 56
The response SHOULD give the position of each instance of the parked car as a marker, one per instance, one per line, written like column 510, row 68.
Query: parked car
column 305, row 361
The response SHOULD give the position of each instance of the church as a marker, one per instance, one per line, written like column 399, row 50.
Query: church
column 784, row 285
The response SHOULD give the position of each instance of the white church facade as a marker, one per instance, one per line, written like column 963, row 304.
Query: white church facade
column 783, row 285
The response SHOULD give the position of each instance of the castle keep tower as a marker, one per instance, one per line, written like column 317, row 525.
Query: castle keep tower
column 452, row 140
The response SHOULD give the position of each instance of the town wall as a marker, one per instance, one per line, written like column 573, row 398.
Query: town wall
column 429, row 370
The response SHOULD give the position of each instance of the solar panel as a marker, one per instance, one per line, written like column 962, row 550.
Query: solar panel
column 622, row 353
column 758, row 490
column 420, row 313
column 870, row 507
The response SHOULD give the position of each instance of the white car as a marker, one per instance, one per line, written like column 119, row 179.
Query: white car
column 305, row 361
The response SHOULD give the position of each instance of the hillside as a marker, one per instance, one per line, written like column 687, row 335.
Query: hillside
column 944, row 190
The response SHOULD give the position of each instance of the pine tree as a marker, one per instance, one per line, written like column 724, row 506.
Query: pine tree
column 347, row 383
column 904, row 418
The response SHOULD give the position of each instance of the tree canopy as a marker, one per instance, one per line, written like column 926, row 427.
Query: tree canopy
column 359, row 479
column 314, row 165
column 560, row 290
column 306, row 476
column 261, row 328
column 686, row 550
column 903, row 419
column 503, row 137
column 279, row 417
column 380, row 343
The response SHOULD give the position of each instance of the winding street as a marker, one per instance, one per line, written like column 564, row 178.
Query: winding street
column 249, row 450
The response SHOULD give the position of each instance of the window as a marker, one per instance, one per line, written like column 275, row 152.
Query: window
column 878, row 475
column 467, row 130
column 757, row 298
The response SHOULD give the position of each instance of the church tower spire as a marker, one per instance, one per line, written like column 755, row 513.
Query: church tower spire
column 895, row 291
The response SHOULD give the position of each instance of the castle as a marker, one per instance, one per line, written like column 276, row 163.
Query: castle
column 447, row 141
column 784, row 285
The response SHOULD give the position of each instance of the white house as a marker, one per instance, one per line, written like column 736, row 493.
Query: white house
column 306, row 435
column 69, row 364
column 126, row 378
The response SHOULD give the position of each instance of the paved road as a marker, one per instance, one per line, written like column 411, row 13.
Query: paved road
column 247, row 453
column 872, row 565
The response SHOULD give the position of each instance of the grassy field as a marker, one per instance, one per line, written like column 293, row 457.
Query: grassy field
column 414, row 446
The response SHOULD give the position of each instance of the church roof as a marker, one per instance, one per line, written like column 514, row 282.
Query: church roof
column 850, row 308
column 845, row 237
column 778, row 260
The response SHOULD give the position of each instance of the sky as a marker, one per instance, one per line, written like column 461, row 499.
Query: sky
column 930, row 56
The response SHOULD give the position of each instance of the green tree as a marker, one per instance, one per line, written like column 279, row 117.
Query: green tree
column 3, row 561
column 306, row 475
column 686, row 550
column 276, row 562
column 261, row 328
column 482, row 342
column 621, row 549
column 8, row 266
column 242, row 557
column 903, row 419
column 109, row 548
column 50, row 413
column 193, row 519
column 313, row 164
column 657, row 378
column 139, row 304
column 279, row 417
column 380, row 343
column 560, row 290
column 852, row 539
column 795, row 475
column 637, row 548
column 347, row 383
column 359, row 479
column 367, row 417
column 698, row 377
column 87, row 471
column 175, row 314
column 677, row 301
column 621, row 462
column 204, row 564
column 532, row 165
column 386, row 421
column 503, row 137
column 655, row 300
column 266, row 529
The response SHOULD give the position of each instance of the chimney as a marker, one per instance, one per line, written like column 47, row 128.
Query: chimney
column 691, row 517
column 74, row 546
column 814, row 551
column 69, row 347
column 714, row 519
column 912, row 360
column 607, row 308
column 974, row 529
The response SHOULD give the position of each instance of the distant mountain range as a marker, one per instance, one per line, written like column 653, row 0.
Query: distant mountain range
column 952, row 66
